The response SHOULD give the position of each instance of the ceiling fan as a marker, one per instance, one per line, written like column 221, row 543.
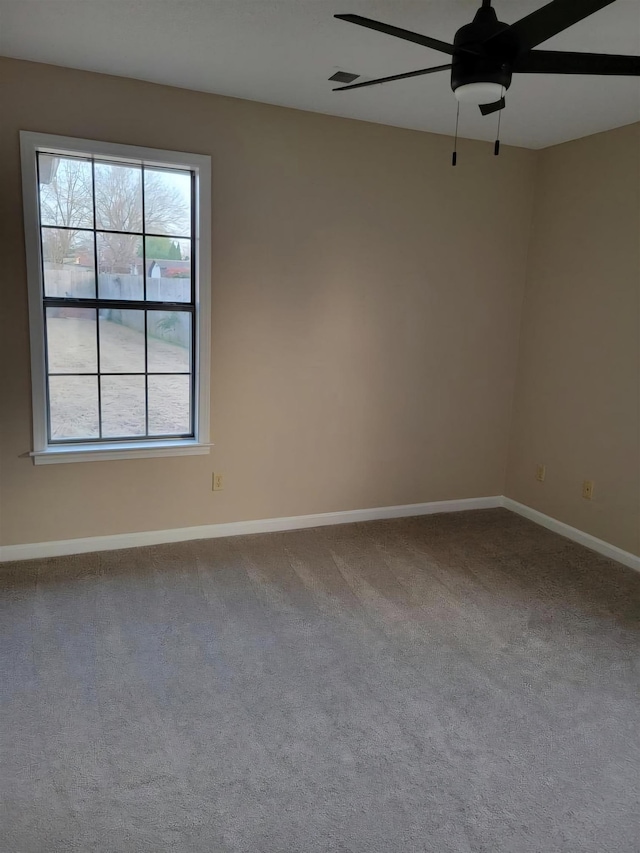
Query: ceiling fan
column 487, row 52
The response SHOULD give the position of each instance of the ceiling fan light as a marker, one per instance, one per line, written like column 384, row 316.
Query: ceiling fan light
column 479, row 93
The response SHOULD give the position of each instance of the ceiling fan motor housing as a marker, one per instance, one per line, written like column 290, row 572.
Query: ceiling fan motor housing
column 492, row 63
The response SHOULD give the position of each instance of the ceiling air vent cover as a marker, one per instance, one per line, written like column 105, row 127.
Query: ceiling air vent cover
column 344, row 77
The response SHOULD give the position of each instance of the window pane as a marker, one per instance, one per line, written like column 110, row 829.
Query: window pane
column 167, row 202
column 71, row 340
column 119, row 266
column 122, row 399
column 69, row 263
column 121, row 341
column 118, row 197
column 168, row 269
column 65, row 191
column 73, row 407
column 169, row 405
column 168, row 341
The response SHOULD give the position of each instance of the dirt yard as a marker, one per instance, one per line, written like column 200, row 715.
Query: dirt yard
column 72, row 349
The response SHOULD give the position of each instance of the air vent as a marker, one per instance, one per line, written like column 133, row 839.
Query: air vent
column 344, row 77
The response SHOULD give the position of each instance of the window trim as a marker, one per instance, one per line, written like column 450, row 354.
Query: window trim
column 43, row 452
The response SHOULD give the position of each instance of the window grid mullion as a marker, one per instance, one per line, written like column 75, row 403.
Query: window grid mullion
column 183, row 237
column 146, row 371
column 123, row 304
column 146, row 316
column 144, row 255
column 105, row 373
column 97, row 288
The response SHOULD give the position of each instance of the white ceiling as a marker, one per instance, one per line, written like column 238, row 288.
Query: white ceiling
column 283, row 51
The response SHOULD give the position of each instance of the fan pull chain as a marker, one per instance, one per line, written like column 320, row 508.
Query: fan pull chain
column 496, row 147
column 454, row 156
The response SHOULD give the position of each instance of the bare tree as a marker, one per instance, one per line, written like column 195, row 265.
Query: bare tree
column 119, row 208
column 166, row 210
column 67, row 201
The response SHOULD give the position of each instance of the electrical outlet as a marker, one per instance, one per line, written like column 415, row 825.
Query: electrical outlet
column 218, row 482
column 541, row 473
column 587, row 490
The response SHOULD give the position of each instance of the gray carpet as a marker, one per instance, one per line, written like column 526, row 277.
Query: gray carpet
column 453, row 683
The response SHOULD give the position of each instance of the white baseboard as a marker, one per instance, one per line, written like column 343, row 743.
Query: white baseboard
column 63, row 547
column 586, row 539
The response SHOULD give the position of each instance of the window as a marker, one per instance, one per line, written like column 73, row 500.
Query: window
column 118, row 262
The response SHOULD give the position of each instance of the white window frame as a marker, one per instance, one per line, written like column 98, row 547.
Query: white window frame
column 43, row 452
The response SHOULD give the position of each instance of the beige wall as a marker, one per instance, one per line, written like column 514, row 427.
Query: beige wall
column 366, row 303
column 577, row 402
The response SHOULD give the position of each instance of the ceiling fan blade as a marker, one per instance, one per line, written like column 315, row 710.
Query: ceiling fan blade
column 564, row 62
column 393, row 77
column 548, row 21
column 407, row 35
column 487, row 109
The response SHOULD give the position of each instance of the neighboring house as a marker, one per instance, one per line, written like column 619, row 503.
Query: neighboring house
column 170, row 269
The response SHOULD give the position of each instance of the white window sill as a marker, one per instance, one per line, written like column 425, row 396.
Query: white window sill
column 133, row 450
